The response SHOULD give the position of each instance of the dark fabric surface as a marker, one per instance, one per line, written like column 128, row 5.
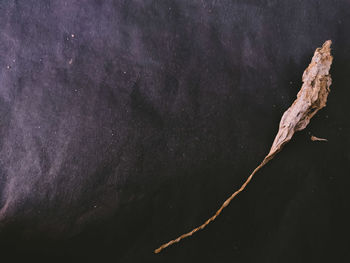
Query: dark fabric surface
column 124, row 124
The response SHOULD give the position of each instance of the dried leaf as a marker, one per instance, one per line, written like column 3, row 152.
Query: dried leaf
column 314, row 139
column 310, row 99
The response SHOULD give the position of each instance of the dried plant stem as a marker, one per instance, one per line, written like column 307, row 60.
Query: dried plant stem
column 218, row 212
column 310, row 99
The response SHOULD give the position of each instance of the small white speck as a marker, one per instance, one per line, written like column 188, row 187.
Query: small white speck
column 95, row 206
column 124, row 72
column 8, row 67
column 70, row 61
column 290, row 82
column 76, row 90
column 72, row 35
column 13, row 60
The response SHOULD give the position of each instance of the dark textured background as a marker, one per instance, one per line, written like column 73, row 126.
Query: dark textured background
column 126, row 123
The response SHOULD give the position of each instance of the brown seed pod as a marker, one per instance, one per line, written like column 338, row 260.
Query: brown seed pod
column 310, row 99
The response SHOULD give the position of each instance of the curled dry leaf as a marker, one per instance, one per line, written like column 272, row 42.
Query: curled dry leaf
column 310, row 99
column 314, row 139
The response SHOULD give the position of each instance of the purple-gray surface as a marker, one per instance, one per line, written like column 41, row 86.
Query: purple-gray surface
column 126, row 123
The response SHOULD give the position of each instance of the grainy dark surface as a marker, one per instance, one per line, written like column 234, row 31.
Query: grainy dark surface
column 126, row 123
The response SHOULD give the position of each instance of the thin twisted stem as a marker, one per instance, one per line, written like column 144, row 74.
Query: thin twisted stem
column 226, row 203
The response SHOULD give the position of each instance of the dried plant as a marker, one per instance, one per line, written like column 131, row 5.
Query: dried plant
column 310, row 99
